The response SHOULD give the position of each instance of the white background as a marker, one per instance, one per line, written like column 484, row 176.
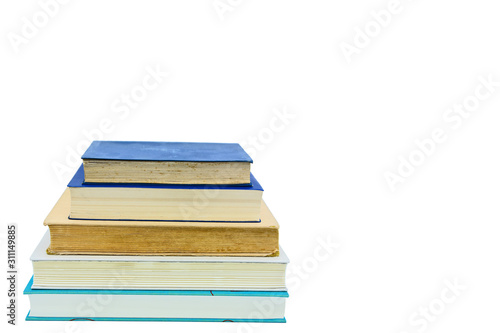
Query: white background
column 322, row 169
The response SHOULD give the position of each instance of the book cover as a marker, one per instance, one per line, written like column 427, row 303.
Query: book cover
column 209, row 293
column 29, row 317
column 78, row 180
column 166, row 151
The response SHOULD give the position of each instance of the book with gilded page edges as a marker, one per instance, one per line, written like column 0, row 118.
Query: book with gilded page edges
column 70, row 236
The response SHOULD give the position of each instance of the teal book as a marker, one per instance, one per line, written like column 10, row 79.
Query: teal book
column 156, row 305
column 166, row 163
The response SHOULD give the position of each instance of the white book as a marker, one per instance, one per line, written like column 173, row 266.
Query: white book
column 156, row 272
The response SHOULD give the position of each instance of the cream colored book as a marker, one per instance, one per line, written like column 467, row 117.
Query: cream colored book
column 156, row 272
column 164, row 202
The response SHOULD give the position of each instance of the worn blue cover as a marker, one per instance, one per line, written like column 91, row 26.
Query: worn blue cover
column 166, row 151
column 79, row 181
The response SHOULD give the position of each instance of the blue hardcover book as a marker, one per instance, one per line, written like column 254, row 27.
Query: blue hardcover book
column 166, row 151
column 166, row 162
column 164, row 202
column 156, row 305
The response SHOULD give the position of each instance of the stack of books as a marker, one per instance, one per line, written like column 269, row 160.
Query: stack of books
column 160, row 231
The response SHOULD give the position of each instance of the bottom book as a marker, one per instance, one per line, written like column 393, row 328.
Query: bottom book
column 29, row 317
column 156, row 305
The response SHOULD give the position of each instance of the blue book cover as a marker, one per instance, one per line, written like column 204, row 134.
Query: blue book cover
column 166, row 151
column 79, row 181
